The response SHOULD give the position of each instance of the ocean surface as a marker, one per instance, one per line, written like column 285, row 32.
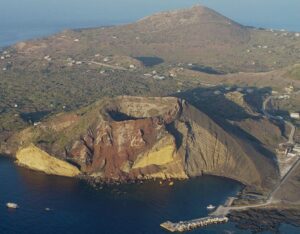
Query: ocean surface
column 76, row 207
column 25, row 19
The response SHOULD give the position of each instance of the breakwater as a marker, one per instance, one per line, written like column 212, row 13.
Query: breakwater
column 183, row 226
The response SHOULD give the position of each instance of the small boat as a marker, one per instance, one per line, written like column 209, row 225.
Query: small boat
column 12, row 205
column 171, row 183
column 210, row 207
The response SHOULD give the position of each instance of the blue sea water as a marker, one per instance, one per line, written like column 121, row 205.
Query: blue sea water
column 77, row 208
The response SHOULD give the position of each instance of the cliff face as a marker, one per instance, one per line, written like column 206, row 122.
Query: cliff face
column 134, row 137
column 36, row 159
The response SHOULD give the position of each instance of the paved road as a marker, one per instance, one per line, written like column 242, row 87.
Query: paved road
column 292, row 133
column 225, row 210
column 290, row 141
column 269, row 116
column 107, row 65
column 284, row 179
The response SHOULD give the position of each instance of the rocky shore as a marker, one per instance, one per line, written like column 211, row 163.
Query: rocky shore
column 266, row 219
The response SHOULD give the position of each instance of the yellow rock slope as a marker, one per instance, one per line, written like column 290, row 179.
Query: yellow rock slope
column 36, row 159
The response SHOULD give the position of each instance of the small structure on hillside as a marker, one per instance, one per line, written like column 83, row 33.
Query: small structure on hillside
column 289, row 89
column 250, row 90
column 295, row 115
column 157, row 77
column 285, row 96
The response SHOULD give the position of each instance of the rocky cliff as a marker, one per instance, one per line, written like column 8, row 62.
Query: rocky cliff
column 134, row 137
column 37, row 159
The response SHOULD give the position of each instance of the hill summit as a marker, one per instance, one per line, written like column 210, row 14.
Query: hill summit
column 197, row 35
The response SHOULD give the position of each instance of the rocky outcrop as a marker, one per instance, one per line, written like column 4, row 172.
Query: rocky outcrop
column 134, row 137
column 37, row 159
column 239, row 99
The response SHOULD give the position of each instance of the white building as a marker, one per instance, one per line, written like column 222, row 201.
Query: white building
column 289, row 89
column 295, row 115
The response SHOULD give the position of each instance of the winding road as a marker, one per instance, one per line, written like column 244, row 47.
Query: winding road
column 222, row 210
column 269, row 116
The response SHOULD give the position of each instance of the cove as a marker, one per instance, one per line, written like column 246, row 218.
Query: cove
column 76, row 207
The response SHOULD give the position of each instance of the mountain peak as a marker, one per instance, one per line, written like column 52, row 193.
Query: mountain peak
column 193, row 15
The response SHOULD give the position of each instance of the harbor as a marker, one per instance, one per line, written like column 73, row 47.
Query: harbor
column 184, row 226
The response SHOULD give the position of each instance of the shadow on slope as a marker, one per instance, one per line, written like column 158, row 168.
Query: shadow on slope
column 225, row 113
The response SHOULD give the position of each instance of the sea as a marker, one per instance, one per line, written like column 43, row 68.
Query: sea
column 50, row 204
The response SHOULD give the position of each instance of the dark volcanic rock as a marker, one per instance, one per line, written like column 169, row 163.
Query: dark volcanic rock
column 259, row 220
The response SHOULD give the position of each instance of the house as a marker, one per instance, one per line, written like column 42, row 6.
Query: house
column 289, row 89
column 291, row 155
column 157, row 77
column 285, row 96
column 295, row 115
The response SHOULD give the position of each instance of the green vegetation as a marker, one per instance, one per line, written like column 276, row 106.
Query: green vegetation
column 294, row 73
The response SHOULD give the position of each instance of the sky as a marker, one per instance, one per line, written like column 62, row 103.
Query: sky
column 256, row 12
column 22, row 19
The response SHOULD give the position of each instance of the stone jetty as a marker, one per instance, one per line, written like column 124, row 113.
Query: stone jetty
column 183, row 226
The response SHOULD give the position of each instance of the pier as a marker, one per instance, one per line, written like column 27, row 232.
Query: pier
column 183, row 226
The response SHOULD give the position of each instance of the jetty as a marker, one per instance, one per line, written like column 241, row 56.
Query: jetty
column 184, row 226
